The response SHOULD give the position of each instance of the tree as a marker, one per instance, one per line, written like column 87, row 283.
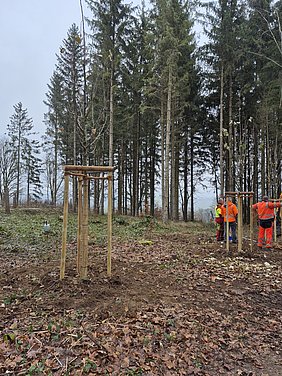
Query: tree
column 108, row 25
column 19, row 129
column 55, row 120
column 175, row 65
column 8, row 172
column 33, row 168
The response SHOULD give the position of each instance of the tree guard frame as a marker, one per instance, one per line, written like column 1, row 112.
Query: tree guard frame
column 275, row 215
column 240, row 196
column 83, row 174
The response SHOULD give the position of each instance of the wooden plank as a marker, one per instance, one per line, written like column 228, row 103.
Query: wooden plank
column 84, row 232
column 227, row 225
column 79, row 225
column 240, row 222
column 89, row 168
column 110, row 223
column 65, row 225
column 275, row 228
column 251, row 223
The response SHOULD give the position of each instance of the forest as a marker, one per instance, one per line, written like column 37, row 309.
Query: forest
column 155, row 114
column 133, row 89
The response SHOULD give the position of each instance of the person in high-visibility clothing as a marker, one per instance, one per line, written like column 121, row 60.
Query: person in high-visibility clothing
column 219, row 221
column 232, row 219
column 279, row 218
column 265, row 211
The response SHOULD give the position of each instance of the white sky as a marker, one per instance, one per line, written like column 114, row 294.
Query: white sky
column 31, row 32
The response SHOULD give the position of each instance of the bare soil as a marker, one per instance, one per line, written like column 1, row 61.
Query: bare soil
column 176, row 304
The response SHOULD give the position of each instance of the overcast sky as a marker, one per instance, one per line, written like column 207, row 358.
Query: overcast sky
column 31, row 32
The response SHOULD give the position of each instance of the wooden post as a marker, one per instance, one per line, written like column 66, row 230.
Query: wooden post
column 275, row 226
column 240, row 222
column 251, row 223
column 65, row 225
column 81, row 172
column 227, row 225
column 110, row 224
column 84, row 234
column 79, row 224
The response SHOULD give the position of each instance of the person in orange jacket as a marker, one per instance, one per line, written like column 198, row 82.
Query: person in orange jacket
column 219, row 220
column 231, row 216
column 265, row 211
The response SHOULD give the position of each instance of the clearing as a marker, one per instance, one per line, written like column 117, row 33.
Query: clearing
column 177, row 303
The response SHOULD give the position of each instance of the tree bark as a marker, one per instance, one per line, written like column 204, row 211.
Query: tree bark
column 167, row 148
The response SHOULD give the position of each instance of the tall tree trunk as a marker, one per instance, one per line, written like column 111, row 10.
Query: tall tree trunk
column 162, row 152
column 111, row 126
column 262, row 161
column 185, row 184
column 120, row 178
column 17, row 197
column 172, row 175
column 176, row 186
column 56, row 156
column 230, row 140
column 175, row 179
column 221, row 160
column 192, row 175
column 136, row 166
column 255, row 162
column 152, row 176
column 167, row 147
column 7, row 200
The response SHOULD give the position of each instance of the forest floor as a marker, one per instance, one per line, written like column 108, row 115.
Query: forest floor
column 177, row 303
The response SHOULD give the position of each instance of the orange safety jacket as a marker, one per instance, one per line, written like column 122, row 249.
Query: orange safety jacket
column 232, row 212
column 265, row 209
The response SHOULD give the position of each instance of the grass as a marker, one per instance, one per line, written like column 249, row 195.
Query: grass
column 22, row 230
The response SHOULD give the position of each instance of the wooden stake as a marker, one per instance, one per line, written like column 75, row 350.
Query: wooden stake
column 79, row 225
column 227, row 225
column 84, row 234
column 275, row 227
column 240, row 222
column 110, row 225
column 65, row 225
column 251, row 222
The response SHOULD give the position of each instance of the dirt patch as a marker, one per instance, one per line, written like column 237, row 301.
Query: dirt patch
column 175, row 305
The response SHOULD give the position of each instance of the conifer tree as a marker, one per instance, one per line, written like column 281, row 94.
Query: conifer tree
column 19, row 131
column 32, row 166
column 53, row 144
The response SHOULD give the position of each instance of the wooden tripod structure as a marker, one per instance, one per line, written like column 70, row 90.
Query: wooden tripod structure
column 240, row 196
column 84, row 174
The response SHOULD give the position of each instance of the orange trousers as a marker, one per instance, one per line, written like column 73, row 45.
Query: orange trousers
column 265, row 233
